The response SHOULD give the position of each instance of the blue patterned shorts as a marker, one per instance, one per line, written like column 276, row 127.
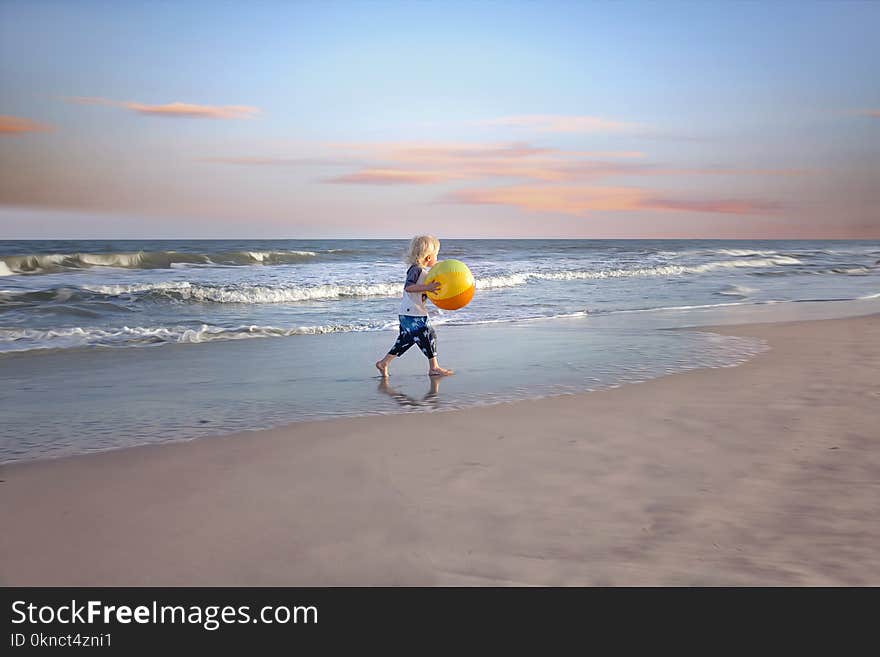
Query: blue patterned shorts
column 415, row 330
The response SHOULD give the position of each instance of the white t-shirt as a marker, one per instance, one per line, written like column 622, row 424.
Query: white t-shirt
column 414, row 303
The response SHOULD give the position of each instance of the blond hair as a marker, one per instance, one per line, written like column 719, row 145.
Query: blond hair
column 420, row 247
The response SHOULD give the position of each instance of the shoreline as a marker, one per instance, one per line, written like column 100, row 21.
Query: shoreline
column 130, row 397
column 709, row 476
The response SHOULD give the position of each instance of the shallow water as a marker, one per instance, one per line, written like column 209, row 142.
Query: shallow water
column 101, row 347
column 73, row 401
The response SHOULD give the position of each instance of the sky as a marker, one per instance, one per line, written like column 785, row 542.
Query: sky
column 463, row 119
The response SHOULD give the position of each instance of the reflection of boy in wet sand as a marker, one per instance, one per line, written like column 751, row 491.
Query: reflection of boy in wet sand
column 430, row 399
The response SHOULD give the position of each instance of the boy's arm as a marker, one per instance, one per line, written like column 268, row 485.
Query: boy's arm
column 428, row 287
column 412, row 281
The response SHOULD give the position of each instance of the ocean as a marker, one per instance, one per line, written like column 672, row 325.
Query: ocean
column 107, row 344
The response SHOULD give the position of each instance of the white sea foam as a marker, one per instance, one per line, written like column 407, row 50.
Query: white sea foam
column 522, row 278
column 694, row 307
column 670, row 270
column 185, row 291
column 510, row 280
column 30, row 339
column 53, row 262
column 731, row 303
column 260, row 294
column 268, row 256
column 737, row 291
column 859, row 270
column 775, row 261
column 744, row 252
column 736, row 253
column 5, row 270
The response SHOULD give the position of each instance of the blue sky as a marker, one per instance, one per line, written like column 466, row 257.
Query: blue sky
column 356, row 119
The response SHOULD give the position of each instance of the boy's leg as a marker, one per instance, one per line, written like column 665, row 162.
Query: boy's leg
column 382, row 365
column 426, row 338
column 436, row 370
column 404, row 341
column 427, row 341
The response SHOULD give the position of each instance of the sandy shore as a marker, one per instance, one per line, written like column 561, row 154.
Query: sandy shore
column 764, row 474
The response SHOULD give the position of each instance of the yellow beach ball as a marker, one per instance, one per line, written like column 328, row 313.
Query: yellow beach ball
column 456, row 284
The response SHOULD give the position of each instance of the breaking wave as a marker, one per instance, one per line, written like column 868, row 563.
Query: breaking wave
column 49, row 263
column 513, row 280
column 185, row 291
column 66, row 338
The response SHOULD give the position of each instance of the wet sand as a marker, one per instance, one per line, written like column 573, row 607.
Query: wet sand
column 763, row 474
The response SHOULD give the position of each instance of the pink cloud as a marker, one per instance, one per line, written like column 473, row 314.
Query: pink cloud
column 188, row 110
column 582, row 201
column 433, row 152
column 393, row 177
column 578, row 201
column 441, row 162
column 561, row 123
column 720, row 171
column 415, row 163
column 613, row 154
column 719, row 206
column 176, row 109
column 14, row 126
column 427, row 163
column 872, row 113
column 427, row 151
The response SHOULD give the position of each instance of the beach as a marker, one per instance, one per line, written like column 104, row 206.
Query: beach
column 643, row 238
column 766, row 473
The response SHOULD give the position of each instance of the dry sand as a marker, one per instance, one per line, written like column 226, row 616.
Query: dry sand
column 764, row 474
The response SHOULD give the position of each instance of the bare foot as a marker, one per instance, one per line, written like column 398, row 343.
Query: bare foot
column 439, row 371
column 383, row 369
